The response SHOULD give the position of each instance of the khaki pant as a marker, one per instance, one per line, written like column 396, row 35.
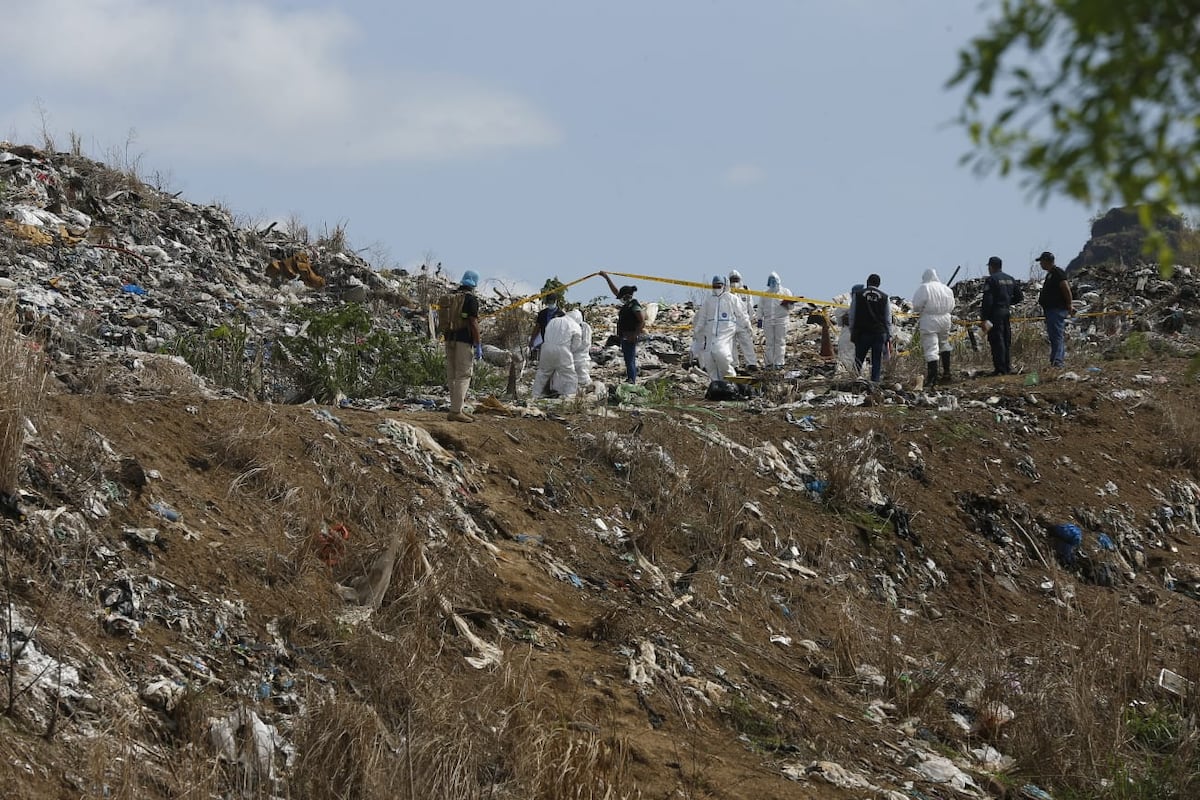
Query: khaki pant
column 460, row 361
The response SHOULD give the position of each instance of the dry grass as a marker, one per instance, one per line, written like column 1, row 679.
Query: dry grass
column 415, row 721
column 21, row 394
column 239, row 446
column 1072, row 700
column 1069, row 687
column 509, row 330
column 346, row 751
column 693, row 513
column 1181, row 440
column 846, row 459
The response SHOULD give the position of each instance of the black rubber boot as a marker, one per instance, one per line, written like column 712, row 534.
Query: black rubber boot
column 945, row 367
column 931, row 370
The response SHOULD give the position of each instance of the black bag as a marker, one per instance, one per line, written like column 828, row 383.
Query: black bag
column 725, row 390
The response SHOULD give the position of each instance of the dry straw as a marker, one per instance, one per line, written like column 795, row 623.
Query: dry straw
column 21, row 393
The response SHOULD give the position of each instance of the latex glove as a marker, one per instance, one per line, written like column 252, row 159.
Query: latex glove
column 478, row 352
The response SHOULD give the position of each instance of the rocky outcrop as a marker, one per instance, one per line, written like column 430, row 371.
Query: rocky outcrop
column 1118, row 238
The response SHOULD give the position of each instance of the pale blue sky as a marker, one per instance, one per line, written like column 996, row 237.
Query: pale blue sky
column 529, row 138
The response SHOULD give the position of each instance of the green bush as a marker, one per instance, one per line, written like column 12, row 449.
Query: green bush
column 342, row 351
column 220, row 356
column 336, row 351
column 1135, row 345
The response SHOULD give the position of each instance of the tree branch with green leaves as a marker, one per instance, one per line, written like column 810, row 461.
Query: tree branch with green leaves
column 1098, row 100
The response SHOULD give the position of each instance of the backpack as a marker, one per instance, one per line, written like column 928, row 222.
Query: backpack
column 450, row 319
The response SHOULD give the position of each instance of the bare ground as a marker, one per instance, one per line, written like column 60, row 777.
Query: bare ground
column 673, row 617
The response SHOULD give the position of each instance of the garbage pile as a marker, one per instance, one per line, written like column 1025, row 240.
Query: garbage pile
column 99, row 261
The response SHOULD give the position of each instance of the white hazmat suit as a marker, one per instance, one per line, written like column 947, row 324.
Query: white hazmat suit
column 713, row 328
column 774, row 315
column 582, row 355
column 743, row 339
column 934, row 301
column 845, row 348
column 556, row 364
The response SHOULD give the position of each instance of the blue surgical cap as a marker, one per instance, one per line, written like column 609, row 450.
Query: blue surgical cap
column 470, row 278
column 718, row 280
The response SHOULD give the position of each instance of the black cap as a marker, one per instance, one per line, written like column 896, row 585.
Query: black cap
column 624, row 290
column 995, row 261
column 872, row 279
column 1046, row 256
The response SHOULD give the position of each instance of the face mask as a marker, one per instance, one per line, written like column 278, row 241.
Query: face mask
column 735, row 284
column 717, row 290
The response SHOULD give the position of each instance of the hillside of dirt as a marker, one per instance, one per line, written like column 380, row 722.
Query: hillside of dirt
column 828, row 590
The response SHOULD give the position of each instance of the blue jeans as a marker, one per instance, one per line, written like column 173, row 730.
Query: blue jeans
column 874, row 345
column 629, row 351
column 1056, row 326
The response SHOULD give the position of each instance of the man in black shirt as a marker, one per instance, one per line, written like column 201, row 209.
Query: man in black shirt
column 631, row 320
column 1000, row 294
column 1056, row 302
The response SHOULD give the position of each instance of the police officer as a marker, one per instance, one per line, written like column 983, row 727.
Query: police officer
column 1000, row 294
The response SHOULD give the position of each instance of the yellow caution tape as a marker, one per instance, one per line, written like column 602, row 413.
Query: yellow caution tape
column 529, row 299
column 694, row 285
column 824, row 305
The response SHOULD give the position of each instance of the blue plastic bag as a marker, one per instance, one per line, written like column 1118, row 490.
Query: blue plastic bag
column 1065, row 538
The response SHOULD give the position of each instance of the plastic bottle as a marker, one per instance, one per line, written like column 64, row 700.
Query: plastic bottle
column 165, row 511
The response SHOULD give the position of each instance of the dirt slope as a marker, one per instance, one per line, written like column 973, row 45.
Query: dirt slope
column 642, row 602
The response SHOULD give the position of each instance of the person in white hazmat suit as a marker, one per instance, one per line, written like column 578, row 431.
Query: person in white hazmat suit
column 582, row 355
column 845, row 347
column 934, row 301
column 713, row 328
column 773, row 315
column 743, row 339
column 556, row 364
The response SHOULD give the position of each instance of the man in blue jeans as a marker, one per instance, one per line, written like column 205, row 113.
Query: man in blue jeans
column 631, row 320
column 1056, row 302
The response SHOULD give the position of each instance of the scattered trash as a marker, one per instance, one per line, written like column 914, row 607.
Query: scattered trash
column 166, row 512
column 331, row 543
column 1065, row 538
column 1174, row 683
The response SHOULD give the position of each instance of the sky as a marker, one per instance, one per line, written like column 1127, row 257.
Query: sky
column 527, row 139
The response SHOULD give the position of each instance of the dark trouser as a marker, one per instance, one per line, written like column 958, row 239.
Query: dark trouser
column 1000, row 340
column 629, row 351
column 872, row 343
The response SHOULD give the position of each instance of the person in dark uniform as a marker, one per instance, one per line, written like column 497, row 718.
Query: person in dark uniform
column 871, row 326
column 1000, row 294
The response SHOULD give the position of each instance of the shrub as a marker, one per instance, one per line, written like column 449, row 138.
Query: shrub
column 227, row 355
column 342, row 351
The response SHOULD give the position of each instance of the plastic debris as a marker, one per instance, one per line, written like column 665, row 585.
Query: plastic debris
column 166, row 512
